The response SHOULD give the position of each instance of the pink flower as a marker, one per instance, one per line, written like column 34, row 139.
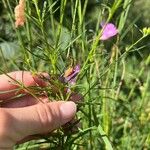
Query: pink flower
column 108, row 30
column 71, row 77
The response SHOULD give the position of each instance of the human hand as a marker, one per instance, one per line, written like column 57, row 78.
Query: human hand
column 25, row 117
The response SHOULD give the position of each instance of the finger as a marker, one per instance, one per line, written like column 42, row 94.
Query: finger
column 24, row 101
column 26, row 78
column 40, row 118
column 34, row 137
column 76, row 97
column 29, row 138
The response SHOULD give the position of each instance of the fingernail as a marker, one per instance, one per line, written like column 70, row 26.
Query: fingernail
column 68, row 110
column 40, row 79
column 46, row 75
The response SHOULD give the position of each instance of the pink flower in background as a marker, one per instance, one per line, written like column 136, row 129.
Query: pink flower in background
column 108, row 30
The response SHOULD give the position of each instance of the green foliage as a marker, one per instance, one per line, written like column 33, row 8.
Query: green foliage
column 114, row 77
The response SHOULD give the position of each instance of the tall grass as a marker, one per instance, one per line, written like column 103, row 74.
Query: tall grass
column 114, row 77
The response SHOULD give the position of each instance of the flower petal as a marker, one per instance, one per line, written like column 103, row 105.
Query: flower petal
column 76, row 70
column 109, row 30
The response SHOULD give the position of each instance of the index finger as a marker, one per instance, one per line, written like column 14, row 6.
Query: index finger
column 24, row 77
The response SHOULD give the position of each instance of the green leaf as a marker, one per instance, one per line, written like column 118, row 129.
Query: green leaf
column 9, row 49
column 105, row 138
column 65, row 38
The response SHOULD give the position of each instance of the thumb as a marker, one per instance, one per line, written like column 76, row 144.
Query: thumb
column 40, row 118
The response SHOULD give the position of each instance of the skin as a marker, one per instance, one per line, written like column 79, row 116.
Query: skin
column 22, row 118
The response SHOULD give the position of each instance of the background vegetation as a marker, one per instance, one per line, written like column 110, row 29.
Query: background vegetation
column 115, row 74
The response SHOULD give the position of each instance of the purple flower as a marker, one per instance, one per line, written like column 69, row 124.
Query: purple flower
column 71, row 76
column 108, row 30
